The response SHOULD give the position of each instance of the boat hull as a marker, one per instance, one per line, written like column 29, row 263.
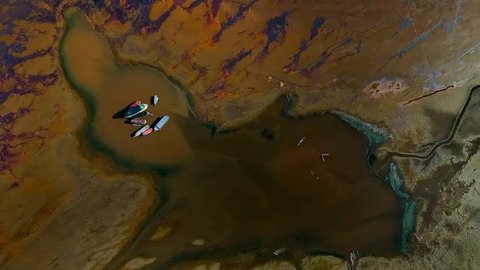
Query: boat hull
column 160, row 122
column 133, row 111
column 140, row 131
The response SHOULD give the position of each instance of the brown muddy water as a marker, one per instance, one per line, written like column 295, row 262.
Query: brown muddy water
column 249, row 190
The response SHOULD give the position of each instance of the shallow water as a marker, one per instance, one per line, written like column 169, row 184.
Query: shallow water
column 112, row 87
column 253, row 189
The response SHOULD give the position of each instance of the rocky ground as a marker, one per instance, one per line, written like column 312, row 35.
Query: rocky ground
column 405, row 66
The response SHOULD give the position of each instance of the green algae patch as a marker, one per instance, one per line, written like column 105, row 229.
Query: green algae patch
column 396, row 181
column 408, row 225
column 374, row 134
column 409, row 213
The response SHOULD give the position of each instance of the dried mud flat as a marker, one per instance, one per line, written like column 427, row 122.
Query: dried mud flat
column 64, row 206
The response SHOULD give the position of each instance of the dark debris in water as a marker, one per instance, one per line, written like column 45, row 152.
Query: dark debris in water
column 268, row 135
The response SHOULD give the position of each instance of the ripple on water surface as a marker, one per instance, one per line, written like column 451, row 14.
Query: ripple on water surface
column 255, row 188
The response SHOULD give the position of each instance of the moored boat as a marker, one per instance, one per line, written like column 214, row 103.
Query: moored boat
column 154, row 100
column 147, row 131
column 141, row 130
column 133, row 111
column 142, row 114
column 135, row 103
column 138, row 121
column 160, row 122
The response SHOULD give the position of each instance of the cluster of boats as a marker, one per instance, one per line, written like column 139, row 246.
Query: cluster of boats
column 135, row 115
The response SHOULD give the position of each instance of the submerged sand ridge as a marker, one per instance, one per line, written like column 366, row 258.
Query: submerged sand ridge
column 255, row 188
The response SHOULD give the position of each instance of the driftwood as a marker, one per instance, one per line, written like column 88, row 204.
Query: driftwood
column 352, row 261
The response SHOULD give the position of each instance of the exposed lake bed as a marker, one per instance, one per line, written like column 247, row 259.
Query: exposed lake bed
column 303, row 184
column 245, row 82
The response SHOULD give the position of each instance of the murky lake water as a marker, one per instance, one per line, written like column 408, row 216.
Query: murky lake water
column 253, row 189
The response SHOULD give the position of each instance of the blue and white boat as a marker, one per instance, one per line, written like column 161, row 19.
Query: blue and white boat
column 160, row 122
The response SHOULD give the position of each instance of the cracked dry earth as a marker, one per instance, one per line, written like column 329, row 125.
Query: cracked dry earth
column 407, row 67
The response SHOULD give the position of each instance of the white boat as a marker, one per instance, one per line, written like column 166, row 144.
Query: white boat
column 154, row 100
column 141, row 130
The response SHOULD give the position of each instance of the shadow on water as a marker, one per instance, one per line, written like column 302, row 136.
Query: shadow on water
column 121, row 113
column 256, row 189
